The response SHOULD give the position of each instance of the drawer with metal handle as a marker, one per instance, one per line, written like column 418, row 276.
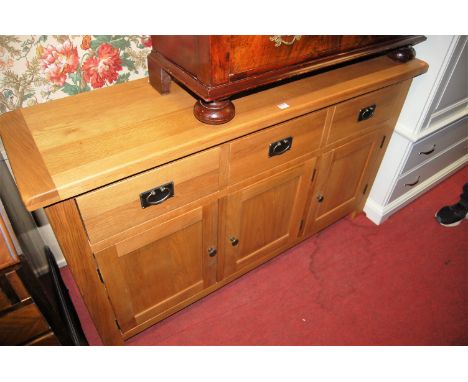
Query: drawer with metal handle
column 358, row 115
column 157, row 195
column 432, row 145
column 130, row 202
column 264, row 150
column 12, row 290
column 420, row 174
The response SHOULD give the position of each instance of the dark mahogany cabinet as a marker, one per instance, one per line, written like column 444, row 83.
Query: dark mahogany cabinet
column 218, row 67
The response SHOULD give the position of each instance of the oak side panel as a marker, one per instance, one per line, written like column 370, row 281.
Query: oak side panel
column 66, row 223
column 31, row 174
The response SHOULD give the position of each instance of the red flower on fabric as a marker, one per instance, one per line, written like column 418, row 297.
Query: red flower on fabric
column 98, row 70
column 146, row 41
column 58, row 61
column 86, row 42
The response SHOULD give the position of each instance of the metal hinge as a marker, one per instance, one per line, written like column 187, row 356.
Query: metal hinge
column 365, row 189
column 313, row 175
column 118, row 326
column 100, row 275
column 383, row 141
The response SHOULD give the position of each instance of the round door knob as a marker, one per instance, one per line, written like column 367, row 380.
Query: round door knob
column 320, row 198
column 234, row 241
column 212, row 252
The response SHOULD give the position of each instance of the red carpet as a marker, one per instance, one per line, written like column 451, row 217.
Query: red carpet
column 404, row 282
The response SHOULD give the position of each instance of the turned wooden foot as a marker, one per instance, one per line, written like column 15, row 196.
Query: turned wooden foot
column 403, row 54
column 214, row 112
column 158, row 77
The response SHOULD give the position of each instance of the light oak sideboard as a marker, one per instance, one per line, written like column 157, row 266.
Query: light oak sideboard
column 154, row 210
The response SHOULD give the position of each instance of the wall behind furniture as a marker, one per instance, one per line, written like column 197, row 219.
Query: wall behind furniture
column 38, row 69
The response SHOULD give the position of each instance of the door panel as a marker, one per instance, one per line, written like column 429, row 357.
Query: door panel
column 158, row 268
column 339, row 187
column 264, row 216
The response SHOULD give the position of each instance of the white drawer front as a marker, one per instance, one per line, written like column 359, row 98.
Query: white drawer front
column 420, row 174
column 434, row 144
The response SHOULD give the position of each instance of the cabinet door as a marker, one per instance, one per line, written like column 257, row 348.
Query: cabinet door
column 264, row 217
column 149, row 273
column 340, row 184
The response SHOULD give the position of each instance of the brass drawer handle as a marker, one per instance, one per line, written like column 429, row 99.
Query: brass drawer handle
column 280, row 147
column 428, row 152
column 414, row 183
column 366, row 113
column 278, row 40
column 157, row 195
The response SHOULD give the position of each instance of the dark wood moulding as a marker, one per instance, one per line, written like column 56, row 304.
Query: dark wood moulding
column 215, row 68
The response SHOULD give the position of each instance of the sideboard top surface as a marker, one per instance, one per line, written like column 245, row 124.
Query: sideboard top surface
column 72, row 145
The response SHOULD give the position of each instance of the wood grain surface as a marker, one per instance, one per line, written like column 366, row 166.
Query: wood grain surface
column 66, row 223
column 8, row 255
column 31, row 174
column 83, row 142
column 20, row 325
column 117, row 207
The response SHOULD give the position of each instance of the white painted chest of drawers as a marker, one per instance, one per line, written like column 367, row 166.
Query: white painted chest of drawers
column 431, row 137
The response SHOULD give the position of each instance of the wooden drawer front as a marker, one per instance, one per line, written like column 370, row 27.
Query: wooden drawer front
column 117, row 207
column 5, row 302
column 260, row 53
column 424, row 172
column 47, row 339
column 434, row 144
column 250, row 155
column 12, row 290
column 346, row 123
column 21, row 325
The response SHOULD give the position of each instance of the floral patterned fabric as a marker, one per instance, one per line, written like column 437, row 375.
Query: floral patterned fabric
column 37, row 69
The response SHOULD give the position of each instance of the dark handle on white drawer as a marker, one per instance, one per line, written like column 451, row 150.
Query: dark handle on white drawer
column 157, row 195
column 280, row 147
column 414, row 183
column 428, row 152
column 366, row 113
